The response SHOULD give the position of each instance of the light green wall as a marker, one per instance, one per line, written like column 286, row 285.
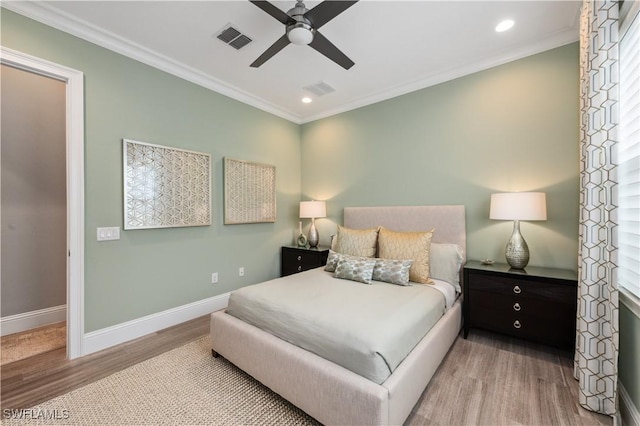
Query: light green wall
column 148, row 271
column 509, row 128
column 628, row 365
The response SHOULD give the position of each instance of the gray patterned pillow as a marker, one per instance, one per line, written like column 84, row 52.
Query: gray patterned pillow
column 392, row 271
column 355, row 269
column 332, row 261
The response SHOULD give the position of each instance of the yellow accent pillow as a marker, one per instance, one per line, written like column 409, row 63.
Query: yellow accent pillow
column 408, row 245
column 357, row 242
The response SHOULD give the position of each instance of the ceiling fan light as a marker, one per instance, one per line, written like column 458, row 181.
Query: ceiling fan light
column 300, row 36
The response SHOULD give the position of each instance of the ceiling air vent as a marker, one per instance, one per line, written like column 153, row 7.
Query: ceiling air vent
column 319, row 89
column 233, row 37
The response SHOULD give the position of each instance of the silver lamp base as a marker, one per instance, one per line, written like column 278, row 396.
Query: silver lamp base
column 517, row 251
column 313, row 234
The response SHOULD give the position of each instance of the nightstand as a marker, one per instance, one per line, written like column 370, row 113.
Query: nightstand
column 297, row 259
column 537, row 304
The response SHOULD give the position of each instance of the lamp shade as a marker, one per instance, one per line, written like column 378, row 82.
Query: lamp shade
column 312, row 209
column 518, row 206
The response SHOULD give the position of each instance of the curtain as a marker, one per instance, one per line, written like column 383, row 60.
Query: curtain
column 596, row 356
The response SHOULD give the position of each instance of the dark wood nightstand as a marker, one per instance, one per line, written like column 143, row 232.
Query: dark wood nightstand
column 297, row 259
column 537, row 304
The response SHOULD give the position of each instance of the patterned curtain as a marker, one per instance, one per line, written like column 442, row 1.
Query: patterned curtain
column 596, row 357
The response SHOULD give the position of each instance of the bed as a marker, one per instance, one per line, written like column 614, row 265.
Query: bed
column 326, row 390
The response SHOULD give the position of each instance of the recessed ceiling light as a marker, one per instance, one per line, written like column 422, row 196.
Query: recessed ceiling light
column 504, row 25
column 306, row 100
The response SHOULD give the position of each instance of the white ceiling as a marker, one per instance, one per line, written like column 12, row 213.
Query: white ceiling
column 397, row 46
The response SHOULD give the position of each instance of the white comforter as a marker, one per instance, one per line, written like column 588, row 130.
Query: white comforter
column 368, row 329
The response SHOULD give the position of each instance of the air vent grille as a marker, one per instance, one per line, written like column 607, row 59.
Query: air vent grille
column 233, row 37
column 319, row 89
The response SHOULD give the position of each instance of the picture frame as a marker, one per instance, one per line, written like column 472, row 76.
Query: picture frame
column 165, row 187
column 249, row 192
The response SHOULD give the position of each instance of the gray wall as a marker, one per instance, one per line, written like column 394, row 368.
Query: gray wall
column 510, row 128
column 34, row 211
column 148, row 271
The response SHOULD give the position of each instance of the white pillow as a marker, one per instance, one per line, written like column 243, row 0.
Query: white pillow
column 445, row 263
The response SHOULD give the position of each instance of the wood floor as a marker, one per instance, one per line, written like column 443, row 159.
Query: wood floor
column 485, row 380
column 31, row 381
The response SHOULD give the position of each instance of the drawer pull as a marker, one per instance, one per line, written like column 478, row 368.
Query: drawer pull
column 516, row 307
column 516, row 324
column 299, row 257
column 517, row 290
column 299, row 268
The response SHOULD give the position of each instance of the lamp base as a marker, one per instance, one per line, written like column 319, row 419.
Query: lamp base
column 313, row 234
column 517, row 251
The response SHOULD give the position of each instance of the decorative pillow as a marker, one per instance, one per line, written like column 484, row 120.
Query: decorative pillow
column 332, row 261
column 392, row 271
column 408, row 245
column 355, row 268
column 357, row 242
column 445, row 263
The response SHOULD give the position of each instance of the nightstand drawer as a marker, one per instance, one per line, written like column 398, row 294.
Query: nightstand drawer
column 529, row 288
column 538, row 304
column 294, row 259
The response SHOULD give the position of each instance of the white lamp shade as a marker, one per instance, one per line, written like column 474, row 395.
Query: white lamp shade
column 312, row 209
column 518, row 206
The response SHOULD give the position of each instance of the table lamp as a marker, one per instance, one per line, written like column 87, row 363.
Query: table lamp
column 518, row 206
column 312, row 210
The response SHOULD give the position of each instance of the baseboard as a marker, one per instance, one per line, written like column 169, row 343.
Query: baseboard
column 628, row 411
column 114, row 335
column 33, row 319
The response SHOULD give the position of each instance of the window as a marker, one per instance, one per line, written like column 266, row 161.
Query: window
column 629, row 151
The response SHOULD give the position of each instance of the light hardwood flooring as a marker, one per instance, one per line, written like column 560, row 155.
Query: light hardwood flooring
column 485, row 380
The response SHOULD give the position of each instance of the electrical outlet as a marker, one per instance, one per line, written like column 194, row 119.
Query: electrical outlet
column 214, row 277
column 241, row 271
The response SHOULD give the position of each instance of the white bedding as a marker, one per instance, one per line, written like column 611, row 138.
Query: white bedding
column 368, row 329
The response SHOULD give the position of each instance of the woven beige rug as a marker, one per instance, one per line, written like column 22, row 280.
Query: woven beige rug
column 185, row 386
column 33, row 342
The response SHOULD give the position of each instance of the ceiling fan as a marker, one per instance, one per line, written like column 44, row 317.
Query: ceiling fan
column 302, row 27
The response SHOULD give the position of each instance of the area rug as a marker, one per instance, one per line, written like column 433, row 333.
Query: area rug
column 33, row 342
column 185, row 386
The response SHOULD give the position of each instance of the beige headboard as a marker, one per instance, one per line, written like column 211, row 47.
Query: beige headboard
column 448, row 221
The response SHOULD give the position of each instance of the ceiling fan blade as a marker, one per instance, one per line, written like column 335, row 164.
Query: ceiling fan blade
column 272, row 10
column 272, row 50
column 326, row 11
column 324, row 46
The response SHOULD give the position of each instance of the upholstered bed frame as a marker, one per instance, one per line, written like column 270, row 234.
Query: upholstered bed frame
column 328, row 392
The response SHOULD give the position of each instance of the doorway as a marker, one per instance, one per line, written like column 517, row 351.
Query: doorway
column 70, row 251
column 34, row 213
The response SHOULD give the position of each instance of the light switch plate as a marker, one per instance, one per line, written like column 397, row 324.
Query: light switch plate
column 106, row 234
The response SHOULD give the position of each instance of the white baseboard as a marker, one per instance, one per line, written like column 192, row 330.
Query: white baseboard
column 33, row 319
column 628, row 411
column 120, row 333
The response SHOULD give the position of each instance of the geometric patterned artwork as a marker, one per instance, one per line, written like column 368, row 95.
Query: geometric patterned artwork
column 249, row 192
column 165, row 187
column 596, row 356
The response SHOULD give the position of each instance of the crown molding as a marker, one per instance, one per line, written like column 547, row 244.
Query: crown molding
column 62, row 21
column 47, row 15
column 569, row 35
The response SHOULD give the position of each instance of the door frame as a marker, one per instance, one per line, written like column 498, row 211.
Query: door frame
column 75, row 185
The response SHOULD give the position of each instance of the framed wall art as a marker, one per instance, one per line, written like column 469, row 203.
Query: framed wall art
column 249, row 192
column 165, row 187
